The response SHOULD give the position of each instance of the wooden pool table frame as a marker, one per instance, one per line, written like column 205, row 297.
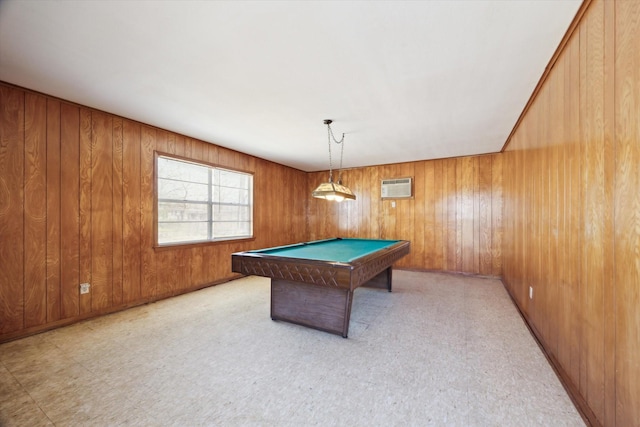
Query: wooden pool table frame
column 318, row 294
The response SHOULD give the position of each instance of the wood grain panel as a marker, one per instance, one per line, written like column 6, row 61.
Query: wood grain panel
column 451, row 218
column 467, row 211
column 573, row 208
column 609, row 308
column 593, row 196
column 545, row 299
column 460, row 210
column 35, row 210
column 440, row 203
column 11, row 209
column 560, row 104
column 496, row 250
column 70, row 210
column 131, row 282
column 554, row 134
column 85, row 209
column 405, row 217
column 147, row 231
column 101, row 211
column 376, row 202
column 53, row 179
column 117, row 212
column 475, row 255
column 424, row 218
column 482, row 220
column 627, row 212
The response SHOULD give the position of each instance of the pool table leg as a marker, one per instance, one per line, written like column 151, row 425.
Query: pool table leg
column 382, row 280
column 319, row 307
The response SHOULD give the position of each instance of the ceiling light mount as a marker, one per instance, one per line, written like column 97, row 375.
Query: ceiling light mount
column 333, row 190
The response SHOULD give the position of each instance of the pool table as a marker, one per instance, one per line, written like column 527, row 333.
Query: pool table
column 312, row 283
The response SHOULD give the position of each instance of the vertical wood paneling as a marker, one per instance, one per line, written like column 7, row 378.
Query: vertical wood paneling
column 573, row 208
column 117, row 213
column 404, row 212
column 556, row 92
column 452, row 223
column 376, row 202
column 467, row 211
column 53, row 265
column 563, row 316
column 459, row 212
column 497, row 188
column 101, row 211
column 475, row 255
column 424, row 219
column 12, row 208
column 482, row 221
column 439, row 203
column 453, row 219
column 609, row 308
column 545, row 293
column 85, row 208
column 588, row 322
column 591, row 109
column 147, row 234
column 131, row 282
column 627, row 212
column 35, row 211
column 70, row 210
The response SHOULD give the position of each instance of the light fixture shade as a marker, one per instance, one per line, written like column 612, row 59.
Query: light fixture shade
column 333, row 191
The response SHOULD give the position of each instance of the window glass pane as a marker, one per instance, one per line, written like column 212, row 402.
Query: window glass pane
column 233, row 195
column 234, row 179
column 231, row 229
column 175, row 169
column 168, row 211
column 182, row 190
column 231, row 213
column 170, row 232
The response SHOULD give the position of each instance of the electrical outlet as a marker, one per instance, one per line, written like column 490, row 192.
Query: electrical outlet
column 530, row 292
column 84, row 288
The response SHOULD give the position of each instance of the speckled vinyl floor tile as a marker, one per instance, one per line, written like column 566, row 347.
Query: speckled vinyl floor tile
column 440, row 350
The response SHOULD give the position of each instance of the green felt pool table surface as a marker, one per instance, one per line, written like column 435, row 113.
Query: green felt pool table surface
column 335, row 250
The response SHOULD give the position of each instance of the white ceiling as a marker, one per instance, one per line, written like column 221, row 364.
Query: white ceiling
column 405, row 80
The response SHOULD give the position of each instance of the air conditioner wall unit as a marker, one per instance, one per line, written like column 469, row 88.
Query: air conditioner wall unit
column 397, row 188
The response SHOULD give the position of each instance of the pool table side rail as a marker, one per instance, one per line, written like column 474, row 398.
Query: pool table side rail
column 321, row 273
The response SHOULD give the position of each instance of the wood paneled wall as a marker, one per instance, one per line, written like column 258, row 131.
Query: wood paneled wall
column 572, row 213
column 454, row 220
column 76, row 205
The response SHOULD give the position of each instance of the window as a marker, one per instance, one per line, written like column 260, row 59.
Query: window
column 198, row 203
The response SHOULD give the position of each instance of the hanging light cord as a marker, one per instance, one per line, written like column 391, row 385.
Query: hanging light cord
column 330, row 136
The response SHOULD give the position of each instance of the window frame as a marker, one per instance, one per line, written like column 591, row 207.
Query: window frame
column 195, row 243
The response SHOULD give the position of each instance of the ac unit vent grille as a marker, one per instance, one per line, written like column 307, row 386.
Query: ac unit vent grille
column 396, row 188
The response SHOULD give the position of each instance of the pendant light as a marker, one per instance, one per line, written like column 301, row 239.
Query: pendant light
column 331, row 190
